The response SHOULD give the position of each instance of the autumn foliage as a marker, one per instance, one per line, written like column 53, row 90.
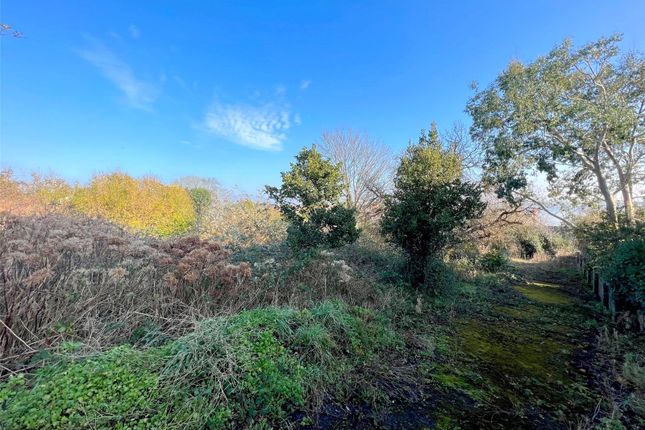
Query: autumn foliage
column 141, row 205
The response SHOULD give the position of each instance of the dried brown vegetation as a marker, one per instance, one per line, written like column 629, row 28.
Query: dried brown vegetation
column 75, row 278
column 71, row 278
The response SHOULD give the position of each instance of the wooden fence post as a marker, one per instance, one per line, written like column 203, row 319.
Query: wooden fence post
column 596, row 282
column 601, row 290
column 611, row 300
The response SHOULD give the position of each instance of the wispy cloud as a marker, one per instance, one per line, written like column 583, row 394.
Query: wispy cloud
column 115, row 35
column 280, row 90
column 178, row 79
column 261, row 127
column 191, row 144
column 305, row 84
column 138, row 93
column 134, row 31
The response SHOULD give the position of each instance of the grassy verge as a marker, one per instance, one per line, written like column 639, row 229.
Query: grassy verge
column 252, row 369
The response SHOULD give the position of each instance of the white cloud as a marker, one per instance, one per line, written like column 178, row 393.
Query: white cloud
column 135, row 33
column 191, row 144
column 261, row 127
column 305, row 84
column 138, row 93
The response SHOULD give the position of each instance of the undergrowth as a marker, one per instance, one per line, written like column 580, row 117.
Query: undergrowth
column 252, row 369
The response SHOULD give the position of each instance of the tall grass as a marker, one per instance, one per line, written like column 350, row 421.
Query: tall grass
column 73, row 278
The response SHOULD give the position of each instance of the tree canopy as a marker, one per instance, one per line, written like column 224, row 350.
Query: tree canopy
column 366, row 166
column 577, row 115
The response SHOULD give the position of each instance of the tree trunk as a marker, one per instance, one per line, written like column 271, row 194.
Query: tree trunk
column 629, row 203
column 625, row 185
column 610, row 203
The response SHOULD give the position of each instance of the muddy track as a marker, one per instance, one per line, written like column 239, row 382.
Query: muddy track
column 518, row 355
column 534, row 350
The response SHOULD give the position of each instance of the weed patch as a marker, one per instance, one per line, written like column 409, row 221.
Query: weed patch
column 254, row 368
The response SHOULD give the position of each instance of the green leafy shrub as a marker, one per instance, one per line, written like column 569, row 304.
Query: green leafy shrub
column 430, row 204
column 633, row 373
column 529, row 248
column 597, row 237
column 549, row 245
column 438, row 276
column 115, row 390
column 309, row 199
column 332, row 228
column 625, row 270
column 493, row 261
column 620, row 253
column 202, row 200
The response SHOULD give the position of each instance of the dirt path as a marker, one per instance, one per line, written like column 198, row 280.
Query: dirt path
column 523, row 353
column 517, row 354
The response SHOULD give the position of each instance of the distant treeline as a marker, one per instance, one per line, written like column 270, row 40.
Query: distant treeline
column 144, row 204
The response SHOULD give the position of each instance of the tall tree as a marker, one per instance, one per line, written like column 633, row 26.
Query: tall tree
column 577, row 115
column 310, row 199
column 430, row 203
column 366, row 166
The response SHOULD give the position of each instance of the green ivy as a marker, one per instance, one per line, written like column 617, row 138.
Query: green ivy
column 114, row 390
column 247, row 370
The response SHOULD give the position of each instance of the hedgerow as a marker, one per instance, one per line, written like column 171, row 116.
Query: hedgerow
column 619, row 253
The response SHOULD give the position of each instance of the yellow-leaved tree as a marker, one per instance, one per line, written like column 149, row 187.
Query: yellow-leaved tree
column 144, row 204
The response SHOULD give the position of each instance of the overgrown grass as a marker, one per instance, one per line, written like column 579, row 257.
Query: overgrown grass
column 250, row 369
column 331, row 337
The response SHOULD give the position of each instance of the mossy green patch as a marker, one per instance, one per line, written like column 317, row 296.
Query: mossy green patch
column 462, row 380
column 548, row 294
column 514, row 352
column 521, row 312
column 446, row 422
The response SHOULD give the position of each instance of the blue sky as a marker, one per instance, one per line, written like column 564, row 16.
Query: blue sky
column 232, row 90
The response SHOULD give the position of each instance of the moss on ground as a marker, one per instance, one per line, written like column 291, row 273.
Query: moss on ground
column 512, row 354
column 509, row 349
column 526, row 312
column 548, row 294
